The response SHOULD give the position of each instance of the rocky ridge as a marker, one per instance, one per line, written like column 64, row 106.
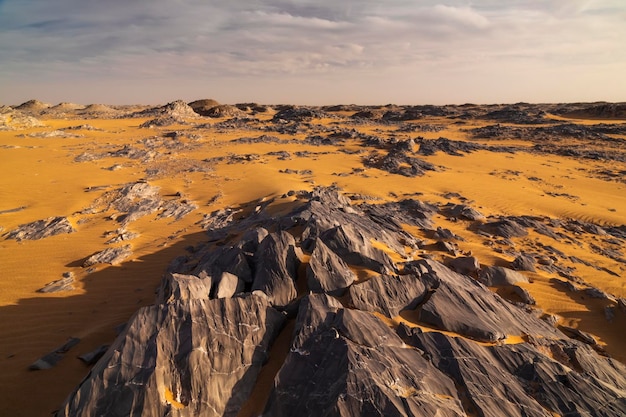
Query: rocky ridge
column 465, row 350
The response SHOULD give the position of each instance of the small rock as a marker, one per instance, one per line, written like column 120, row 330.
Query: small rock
column 464, row 265
column 52, row 358
column 228, row 285
column 111, row 256
column 92, row 357
column 524, row 263
column 493, row 276
column 63, row 284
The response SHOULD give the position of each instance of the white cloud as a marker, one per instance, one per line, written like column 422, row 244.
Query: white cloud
column 192, row 40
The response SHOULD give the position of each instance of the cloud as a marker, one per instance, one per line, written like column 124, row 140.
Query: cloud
column 196, row 40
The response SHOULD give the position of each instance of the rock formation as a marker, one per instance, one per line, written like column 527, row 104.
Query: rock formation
column 463, row 351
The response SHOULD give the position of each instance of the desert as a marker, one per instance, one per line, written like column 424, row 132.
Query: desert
column 202, row 258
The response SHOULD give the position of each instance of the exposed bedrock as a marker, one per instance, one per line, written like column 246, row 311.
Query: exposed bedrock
column 460, row 349
column 195, row 357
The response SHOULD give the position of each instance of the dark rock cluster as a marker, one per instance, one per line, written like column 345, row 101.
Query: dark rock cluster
column 199, row 349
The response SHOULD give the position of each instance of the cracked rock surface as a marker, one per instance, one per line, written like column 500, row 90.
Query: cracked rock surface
column 366, row 328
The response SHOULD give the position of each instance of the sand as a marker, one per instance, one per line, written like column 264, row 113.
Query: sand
column 39, row 178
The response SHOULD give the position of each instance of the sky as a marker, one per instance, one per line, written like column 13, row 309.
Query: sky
column 312, row 51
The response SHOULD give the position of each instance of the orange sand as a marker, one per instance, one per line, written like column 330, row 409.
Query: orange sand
column 40, row 174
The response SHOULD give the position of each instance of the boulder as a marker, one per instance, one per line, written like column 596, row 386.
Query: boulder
column 465, row 265
column 327, row 272
column 524, row 263
column 388, row 294
column 276, row 267
column 494, row 276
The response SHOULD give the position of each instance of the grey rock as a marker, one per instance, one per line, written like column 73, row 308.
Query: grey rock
column 524, row 263
column 178, row 287
column 63, row 284
column 580, row 335
column 327, row 272
column 51, row 359
column 177, row 209
column 113, row 256
column 41, row 229
column 465, row 265
column 351, row 364
column 524, row 295
column 228, row 285
column 225, row 259
column 505, row 228
column 494, row 276
column 461, row 211
column 462, row 305
column 521, row 380
column 191, row 358
column 388, row 294
column 276, row 264
column 92, row 357
column 355, row 248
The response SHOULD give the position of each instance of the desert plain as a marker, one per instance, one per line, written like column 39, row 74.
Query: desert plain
column 126, row 194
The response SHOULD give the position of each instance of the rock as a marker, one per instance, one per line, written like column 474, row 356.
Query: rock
column 348, row 363
column 228, row 285
column 276, row 264
column 222, row 110
column 388, row 294
column 178, row 287
column 494, row 276
column 505, row 228
column 465, row 265
column 524, row 263
column 327, row 272
column 252, row 238
column 448, row 247
column 177, row 209
column 200, row 106
column 462, row 305
column 176, row 109
column 41, row 229
column 461, row 211
column 451, row 147
column 445, row 234
column 113, row 256
column 580, row 335
column 399, row 163
column 524, row 295
column 92, row 357
column 225, row 259
column 514, row 380
column 356, row 249
column 162, row 121
column 63, row 284
column 186, row 358
column 51, row 359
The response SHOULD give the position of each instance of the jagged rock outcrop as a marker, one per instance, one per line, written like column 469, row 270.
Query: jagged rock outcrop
column 276, row 268
column 348, row 363
column 112, row 256
column 192, row 357
column 41, row 229
column 462, row 305
column 389, row 294
column 199, row 348
column 542, row 378
column 327, row 272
